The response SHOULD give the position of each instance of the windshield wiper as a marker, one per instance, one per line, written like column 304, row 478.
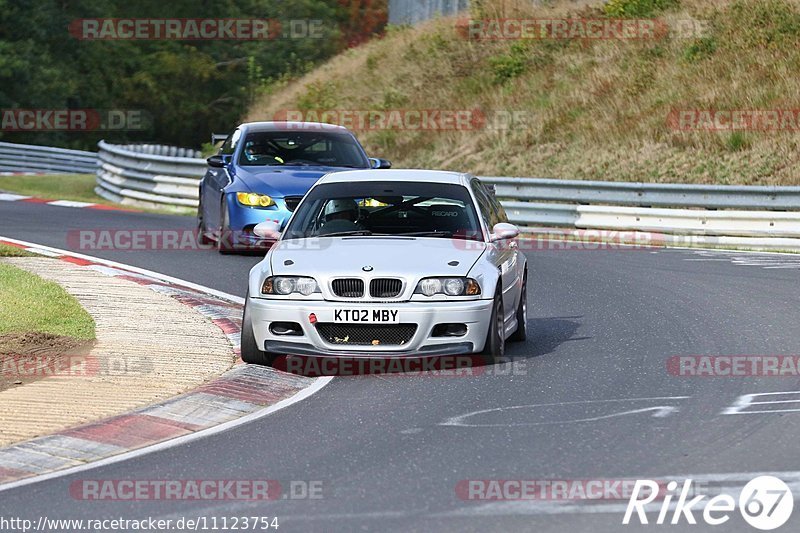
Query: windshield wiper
column 346, row 233
column 433, row 233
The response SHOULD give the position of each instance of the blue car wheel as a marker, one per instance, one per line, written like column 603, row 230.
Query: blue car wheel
column 225, row 238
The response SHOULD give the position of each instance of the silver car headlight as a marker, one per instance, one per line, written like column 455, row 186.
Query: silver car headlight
column 286, row 285
column 448, row 287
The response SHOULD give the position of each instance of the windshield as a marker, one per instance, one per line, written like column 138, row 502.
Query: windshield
column 305, row 148
column 386, row 208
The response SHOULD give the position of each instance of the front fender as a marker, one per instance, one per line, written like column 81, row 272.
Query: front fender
column 258, row 273
column 486, row 274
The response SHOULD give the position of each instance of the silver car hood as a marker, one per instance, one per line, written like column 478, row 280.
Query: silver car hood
column 347, row 256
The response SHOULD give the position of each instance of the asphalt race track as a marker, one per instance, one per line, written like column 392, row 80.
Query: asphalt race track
column 591, row 392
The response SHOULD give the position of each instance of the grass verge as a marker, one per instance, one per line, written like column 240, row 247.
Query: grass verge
column 13, row 251
column 30, row 304
column 75, row 187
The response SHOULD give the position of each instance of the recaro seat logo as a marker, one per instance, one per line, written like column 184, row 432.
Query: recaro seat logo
column 765, row 503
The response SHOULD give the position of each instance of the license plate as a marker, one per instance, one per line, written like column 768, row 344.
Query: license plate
column 367, row 316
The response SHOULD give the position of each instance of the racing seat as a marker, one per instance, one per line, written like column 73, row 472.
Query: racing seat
column 450, row 218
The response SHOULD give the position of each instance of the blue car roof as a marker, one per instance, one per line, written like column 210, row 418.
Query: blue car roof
column 292, row 126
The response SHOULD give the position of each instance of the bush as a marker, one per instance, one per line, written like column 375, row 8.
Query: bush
column 637, row 8
column 319, row 96
column 510, row 65
column 737, row 141
column 700, row 48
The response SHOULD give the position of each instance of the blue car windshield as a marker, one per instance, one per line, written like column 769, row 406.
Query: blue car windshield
column 302, row 148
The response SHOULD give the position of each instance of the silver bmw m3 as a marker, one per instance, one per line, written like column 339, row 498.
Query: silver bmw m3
column 385, row 263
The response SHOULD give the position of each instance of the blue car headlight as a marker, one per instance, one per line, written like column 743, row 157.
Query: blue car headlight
column 251, row 199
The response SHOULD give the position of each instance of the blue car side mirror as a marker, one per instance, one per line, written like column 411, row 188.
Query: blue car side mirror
column 216, row 161
column 379, row 163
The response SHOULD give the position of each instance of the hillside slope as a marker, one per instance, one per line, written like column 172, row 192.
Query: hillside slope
column 579, row 108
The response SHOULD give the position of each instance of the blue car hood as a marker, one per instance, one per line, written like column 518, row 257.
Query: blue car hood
column 282, row 181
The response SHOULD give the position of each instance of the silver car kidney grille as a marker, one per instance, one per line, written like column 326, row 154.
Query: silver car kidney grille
column 385, row 287
column 348, row 287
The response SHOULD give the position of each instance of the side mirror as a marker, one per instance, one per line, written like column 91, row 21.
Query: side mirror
column 503, row 231
column 216, row 161
column 268, row 230
column 379, row 163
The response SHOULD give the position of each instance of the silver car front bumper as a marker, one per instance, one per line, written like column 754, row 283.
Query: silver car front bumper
column 475, row 314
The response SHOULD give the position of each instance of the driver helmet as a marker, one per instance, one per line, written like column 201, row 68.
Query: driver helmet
column 342, row 208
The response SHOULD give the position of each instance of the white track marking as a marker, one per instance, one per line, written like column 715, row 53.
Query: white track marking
column 660, row 411
column 719, row 251
column 6, row 197
column 765, row 260
column 315, row 387
column 744, row 401
column 39, row 251
column 69, row 203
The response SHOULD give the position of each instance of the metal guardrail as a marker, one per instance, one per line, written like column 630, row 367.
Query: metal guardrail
column 747, row 214
column 766, row 217
column 32, row 158
column 149, row 175
column 682, row 221
column 647, row 194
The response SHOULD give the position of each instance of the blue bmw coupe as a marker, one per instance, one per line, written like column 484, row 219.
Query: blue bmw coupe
column 262, row 172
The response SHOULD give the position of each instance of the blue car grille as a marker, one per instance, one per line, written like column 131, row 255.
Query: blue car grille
column 292, row 201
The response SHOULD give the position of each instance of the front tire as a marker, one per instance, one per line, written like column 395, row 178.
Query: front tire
column 522, row 314
column 225, row 237
column 495, row 346
column 202, row 238
column 251, row 353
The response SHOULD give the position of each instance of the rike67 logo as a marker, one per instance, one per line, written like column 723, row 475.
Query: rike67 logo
column 765, row 503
